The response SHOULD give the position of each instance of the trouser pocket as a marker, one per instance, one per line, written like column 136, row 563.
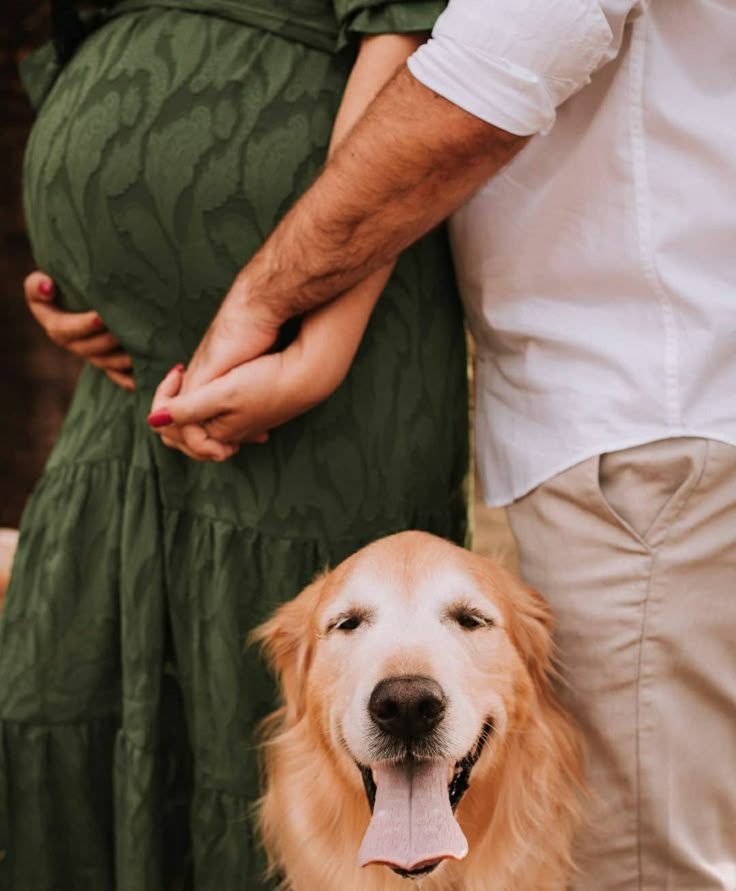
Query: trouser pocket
column 645, row 487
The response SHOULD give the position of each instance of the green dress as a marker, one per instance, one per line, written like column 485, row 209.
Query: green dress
column 163, row 155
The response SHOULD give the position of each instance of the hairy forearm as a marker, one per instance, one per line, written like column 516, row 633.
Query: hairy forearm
column 407, row 164
column 377, row 61
column 410, row 160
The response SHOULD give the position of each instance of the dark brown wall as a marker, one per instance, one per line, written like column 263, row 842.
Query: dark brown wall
column 36, row 378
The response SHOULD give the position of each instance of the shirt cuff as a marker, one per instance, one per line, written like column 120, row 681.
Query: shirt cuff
column 513, row 63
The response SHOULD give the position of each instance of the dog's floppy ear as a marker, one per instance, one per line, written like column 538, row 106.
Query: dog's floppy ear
column 531, row 630
column 287, row 641
column 529, row 618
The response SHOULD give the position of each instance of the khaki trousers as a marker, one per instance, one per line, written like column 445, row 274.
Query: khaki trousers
column 636, row 552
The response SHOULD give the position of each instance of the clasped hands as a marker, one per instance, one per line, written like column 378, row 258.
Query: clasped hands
column 233, row 391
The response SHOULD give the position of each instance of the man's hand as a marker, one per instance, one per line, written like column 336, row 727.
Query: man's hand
column 209, row 422
column 238, row 332
column 82, row 333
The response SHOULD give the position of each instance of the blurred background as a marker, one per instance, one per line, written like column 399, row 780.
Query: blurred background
column 36, row 377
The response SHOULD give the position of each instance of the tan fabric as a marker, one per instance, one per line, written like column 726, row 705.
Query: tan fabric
column 636, row 552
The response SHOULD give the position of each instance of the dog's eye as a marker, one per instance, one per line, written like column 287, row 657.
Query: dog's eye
column 348, row 623
column 350, row 619
column 470, row 620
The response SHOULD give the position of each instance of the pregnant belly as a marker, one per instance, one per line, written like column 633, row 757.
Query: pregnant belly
column 166, row 152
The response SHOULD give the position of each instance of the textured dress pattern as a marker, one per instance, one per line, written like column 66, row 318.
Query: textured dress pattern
column 163, row 155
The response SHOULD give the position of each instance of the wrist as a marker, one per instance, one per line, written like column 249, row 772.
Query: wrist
column 261, row 290
column 249, row 300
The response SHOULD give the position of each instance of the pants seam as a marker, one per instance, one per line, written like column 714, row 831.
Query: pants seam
column 653, row 551
column 640, row 664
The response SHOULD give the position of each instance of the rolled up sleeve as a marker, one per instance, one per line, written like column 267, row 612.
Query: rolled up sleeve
column 513, row 62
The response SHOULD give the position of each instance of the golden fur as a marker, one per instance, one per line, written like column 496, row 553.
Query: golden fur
column 521, row 809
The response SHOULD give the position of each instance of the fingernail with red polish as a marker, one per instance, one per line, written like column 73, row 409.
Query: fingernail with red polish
column 160, row 418
column 46, row 288
column 178, row 367
column 98, row 323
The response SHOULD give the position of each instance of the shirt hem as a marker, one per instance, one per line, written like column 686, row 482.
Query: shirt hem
column 514, row 493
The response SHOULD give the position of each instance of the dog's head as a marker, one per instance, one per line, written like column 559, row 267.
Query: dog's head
column 411, row 664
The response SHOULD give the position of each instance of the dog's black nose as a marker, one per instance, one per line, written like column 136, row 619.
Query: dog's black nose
column 407, row 707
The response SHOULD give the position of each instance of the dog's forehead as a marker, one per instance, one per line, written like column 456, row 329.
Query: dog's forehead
column 417, row 579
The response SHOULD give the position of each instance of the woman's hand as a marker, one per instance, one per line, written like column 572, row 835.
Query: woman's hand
column 211, row 421
column 82, row 333
column 191, row 438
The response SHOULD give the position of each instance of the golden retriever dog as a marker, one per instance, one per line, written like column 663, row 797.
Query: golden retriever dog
column 420, row 736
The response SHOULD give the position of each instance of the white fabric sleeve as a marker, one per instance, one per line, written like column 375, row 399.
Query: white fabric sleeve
column 513, row 62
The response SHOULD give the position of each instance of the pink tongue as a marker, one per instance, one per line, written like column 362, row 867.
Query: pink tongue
column 412, row 823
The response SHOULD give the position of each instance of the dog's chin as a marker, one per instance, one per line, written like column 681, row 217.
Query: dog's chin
column 418, row 871
column 457, row 786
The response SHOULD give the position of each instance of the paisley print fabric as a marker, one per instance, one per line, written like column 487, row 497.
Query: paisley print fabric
column 164, row 153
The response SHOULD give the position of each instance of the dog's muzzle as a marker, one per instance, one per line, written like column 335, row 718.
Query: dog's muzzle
column 460, row 779
column 409, row 746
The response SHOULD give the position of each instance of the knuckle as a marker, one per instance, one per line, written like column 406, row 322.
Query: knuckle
column 110, row 361
column 193, row 437
column 54, row 332
column 82, row 349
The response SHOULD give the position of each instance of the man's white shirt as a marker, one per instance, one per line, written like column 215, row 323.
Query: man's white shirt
column 598, row 269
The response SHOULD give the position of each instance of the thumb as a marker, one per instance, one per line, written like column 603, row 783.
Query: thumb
column 166, row 390
column 39, row 286
column 170, row 385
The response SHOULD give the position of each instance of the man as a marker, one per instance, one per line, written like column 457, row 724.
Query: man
column 596, row 275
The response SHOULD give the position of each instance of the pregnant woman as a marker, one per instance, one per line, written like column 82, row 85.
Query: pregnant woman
column 170, row 143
